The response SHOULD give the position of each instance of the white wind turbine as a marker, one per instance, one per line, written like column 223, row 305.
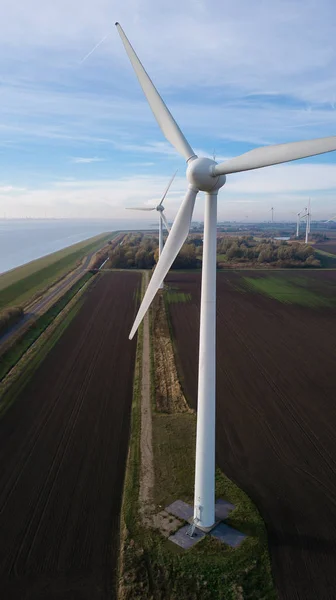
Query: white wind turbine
column 205, row 175
column 160, row 208
column 298, row 223
column 298, row 220
column 307, row 216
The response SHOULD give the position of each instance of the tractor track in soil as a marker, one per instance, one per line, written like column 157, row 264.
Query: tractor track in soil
column 63, row 447
column 276, row 418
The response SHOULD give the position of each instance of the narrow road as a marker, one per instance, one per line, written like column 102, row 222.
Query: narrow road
column 42, row 304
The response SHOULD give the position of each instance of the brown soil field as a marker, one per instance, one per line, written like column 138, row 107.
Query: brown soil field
column 63, row 448
column 328, row 246
column 276, row 418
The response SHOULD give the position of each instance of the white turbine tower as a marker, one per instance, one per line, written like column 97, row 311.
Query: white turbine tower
column 205, row 175
column 307, row 217
column 298, row 223
column 298, row 220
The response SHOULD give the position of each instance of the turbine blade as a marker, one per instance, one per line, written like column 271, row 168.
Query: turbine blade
column 163, row 217
column 168, row 186
column 166, row 121
column 133, row 208
column 173, row 245
column 274, row 155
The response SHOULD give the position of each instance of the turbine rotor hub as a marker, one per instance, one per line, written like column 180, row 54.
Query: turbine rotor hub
column 160, row 208
column 199, row 175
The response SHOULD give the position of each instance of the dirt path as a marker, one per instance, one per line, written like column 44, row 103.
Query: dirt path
column 147, row 466
column 169, row 397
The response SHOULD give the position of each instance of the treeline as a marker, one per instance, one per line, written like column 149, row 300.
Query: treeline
column 141, row 251
column 136, row 251
column 98, row 259
column 9, row 317
column 248, row 250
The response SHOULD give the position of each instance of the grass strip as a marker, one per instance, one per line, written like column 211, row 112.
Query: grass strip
column 174, row 297
column 21, row 284
column 328, row 260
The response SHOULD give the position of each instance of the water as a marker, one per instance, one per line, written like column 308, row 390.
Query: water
column 24, row 240
column 284, row 238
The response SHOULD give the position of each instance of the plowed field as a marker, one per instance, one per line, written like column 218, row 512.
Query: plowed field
column 63, row 446
column 329, row 246
column 276, row 416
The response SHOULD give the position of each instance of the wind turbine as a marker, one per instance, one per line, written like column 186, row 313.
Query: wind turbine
column 160, row 208
column 298, row 221
column 205, row 175
column 309, row 216
column 272, row 209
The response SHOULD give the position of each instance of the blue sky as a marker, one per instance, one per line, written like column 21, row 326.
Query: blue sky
column 78, row 140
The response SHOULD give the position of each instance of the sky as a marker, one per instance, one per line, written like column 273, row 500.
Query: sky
column 77, row 138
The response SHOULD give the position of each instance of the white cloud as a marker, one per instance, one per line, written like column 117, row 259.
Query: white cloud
column 286, row 187
column 86, row 160
column 6, row 189
column 231, row 72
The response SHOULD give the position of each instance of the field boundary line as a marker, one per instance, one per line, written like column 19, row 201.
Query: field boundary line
column 129, row 504
column 146, row 437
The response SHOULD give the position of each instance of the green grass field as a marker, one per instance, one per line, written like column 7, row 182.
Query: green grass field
column 173, row 297
column 287, row 291
column 19, row 285
column 328, row 260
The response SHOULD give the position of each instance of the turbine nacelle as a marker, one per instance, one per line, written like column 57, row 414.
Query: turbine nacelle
column 200, row 175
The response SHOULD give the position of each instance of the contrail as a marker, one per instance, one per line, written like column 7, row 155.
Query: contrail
column 93, row 49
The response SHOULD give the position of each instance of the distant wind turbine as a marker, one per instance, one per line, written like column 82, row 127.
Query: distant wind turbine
column 307, row 217
column 205, row 175
column 162, row 219
column 298, row 221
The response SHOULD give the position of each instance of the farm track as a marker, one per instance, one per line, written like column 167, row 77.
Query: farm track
column 276, row 420
column 62, row 456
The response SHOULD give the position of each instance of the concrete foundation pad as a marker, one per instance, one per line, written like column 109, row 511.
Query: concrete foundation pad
column 228, row 535
column 223, row 509
column 180, row 509
column 182, row 539
column 205, row 529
